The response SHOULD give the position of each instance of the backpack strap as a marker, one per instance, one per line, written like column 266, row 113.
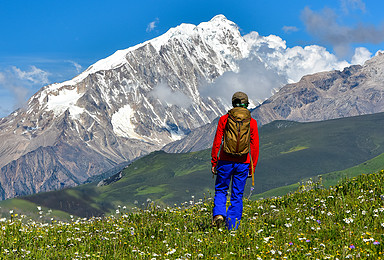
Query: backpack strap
column 252, row 169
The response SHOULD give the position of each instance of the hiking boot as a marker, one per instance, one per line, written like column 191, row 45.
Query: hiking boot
column 217, row 220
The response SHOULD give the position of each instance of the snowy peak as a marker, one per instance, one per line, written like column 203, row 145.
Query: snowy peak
column 216, row 43
column 184, row 32
column 219, row 35
column 214, row 33
column 158, row 78
column 219, row 22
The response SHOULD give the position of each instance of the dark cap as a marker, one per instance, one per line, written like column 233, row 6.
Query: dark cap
column 240, row 96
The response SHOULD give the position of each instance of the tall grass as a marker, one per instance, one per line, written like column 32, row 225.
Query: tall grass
column 344, row 221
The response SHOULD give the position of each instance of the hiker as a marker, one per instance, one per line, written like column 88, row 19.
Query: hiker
column 238, row 137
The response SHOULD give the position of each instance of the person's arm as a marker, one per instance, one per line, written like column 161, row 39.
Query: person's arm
column 217, row 141
column 254, row 143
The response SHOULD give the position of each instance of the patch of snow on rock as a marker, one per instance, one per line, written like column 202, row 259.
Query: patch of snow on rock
column 65, row 99
column 122, row 125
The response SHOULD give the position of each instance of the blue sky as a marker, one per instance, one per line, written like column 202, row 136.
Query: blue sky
column 43, row 42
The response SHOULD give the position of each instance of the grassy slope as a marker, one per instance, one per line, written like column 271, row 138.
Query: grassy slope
column 343, row 222
column 330, row 179
column 164, row 178
column 290, row 152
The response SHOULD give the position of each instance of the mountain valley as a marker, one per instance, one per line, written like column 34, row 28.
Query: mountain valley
column 290, row 153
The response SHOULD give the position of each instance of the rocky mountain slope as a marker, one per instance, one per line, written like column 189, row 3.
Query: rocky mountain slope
column 120, row 108
column 356, row 90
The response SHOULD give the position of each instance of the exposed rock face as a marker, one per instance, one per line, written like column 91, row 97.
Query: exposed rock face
column 357, row 90
column 199, row 139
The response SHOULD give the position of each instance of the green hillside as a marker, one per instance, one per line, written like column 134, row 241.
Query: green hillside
column 290, row 152
column 343, row 222
column 329, row 179
column 167, row 179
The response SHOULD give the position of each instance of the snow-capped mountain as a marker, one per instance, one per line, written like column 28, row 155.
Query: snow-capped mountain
column 137, row 100
column 120, row 108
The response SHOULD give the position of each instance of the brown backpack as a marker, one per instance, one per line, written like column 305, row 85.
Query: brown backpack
column 237, row 133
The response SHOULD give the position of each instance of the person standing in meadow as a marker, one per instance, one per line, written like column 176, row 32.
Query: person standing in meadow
column 237, row 139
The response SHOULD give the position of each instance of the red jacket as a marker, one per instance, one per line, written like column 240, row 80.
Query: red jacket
column 227, row 157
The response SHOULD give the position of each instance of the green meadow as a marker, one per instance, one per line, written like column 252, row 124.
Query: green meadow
column 318, row 194
column 345, row 221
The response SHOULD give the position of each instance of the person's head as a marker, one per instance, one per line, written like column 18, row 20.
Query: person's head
column 240, row 99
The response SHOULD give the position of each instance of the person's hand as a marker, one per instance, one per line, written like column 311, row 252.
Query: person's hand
column 214, row 170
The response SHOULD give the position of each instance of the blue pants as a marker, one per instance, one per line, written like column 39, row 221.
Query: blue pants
column 226, row 171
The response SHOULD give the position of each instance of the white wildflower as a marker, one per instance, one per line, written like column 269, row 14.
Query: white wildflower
column 171, row 252
column 266, row 239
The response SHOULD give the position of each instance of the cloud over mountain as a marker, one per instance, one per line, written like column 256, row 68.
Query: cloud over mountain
column 152, row 25
column 272, row 66
column 170, row 97
column 19, row 83
column 325, row 26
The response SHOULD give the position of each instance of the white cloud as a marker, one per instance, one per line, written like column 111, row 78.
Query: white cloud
column 2, row 77
column 171, row 97
column 253, row 78
column 19, row 84
column 348, row 5
column 34, row 75
column 20, row 94
column 298, row 61
column 361, row 55
column 270, row 66
column 294, row 62
column 77, row 66
column 4, row 111
column 152, row 25
column 325, row 26
column 290, row 29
